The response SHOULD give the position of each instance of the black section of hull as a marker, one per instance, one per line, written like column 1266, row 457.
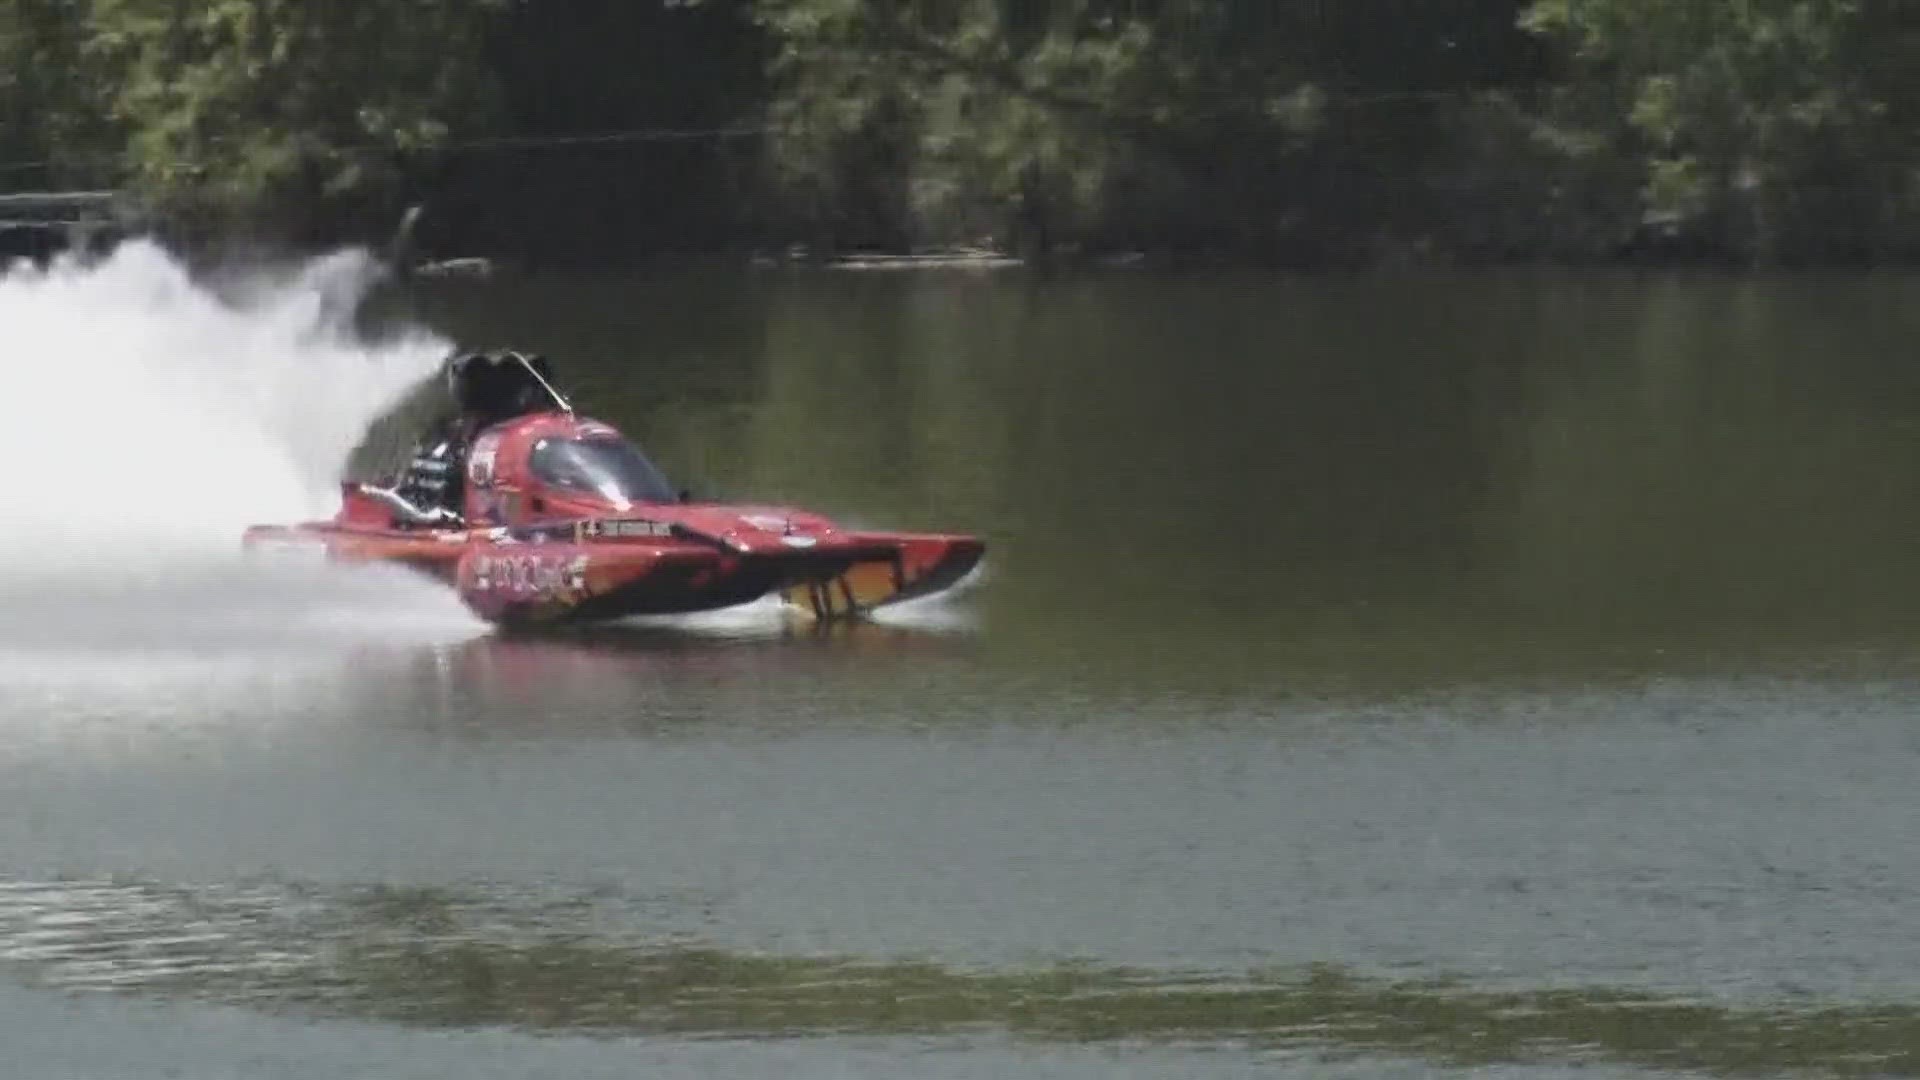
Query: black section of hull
column 956, row 564
column 681, row 590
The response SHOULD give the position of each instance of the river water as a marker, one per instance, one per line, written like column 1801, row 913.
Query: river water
column 1371, row 675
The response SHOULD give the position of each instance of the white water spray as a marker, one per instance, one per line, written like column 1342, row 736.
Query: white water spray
column 146, row 421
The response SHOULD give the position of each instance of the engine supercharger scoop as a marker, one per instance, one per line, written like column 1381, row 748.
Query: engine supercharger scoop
column 565, row 520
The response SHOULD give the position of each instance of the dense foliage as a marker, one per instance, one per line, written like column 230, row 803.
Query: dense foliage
column 1304, row 131
column 286, row 107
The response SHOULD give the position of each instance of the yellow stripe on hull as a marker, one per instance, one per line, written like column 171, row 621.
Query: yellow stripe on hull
column 859, row 588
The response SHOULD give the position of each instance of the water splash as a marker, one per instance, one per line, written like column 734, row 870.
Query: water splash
column 771, row 617
column 944, row 612
column 150, row 417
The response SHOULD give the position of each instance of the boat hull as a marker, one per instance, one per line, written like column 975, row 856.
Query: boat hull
column 539, row 577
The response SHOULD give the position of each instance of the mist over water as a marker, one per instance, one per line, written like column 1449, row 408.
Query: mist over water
column 150, row 418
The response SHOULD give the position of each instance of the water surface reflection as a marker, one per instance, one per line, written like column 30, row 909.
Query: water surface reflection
column 1445, row 669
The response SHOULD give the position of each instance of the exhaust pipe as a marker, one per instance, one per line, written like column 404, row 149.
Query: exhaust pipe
column 408, row 512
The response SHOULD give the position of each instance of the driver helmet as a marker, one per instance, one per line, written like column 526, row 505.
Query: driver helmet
column 493, row 382
column 458, row 376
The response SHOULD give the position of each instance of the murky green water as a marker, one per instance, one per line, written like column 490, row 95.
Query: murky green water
column 1371, row 675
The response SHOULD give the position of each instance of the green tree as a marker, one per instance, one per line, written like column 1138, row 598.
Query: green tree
column 288, row 112
column 1760, row 135
column 52, row 129
column 1039, row 119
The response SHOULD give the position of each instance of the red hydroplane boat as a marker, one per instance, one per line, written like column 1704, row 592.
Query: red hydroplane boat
column 566, row 521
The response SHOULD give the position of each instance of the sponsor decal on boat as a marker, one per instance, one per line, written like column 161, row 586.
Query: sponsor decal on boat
column 535, row 575
column 624, row 529
column 480, row 461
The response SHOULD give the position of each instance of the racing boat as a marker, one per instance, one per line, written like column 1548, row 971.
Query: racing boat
column 567, row 521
